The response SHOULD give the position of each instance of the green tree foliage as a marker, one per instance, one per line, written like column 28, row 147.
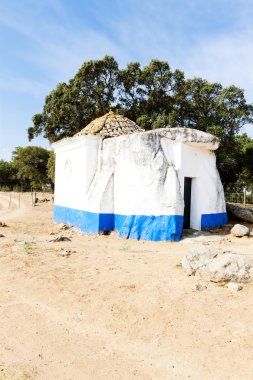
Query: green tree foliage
column 162, row 89
column 7, row 174
column 221, row 111
column 130, row 91
column 247, row 169
column 154, row 97
column 244, row 158
column 31, row 166
column 70, row 107
column 51, row 167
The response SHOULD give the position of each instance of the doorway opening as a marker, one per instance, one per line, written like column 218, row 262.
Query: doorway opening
column 187, row 201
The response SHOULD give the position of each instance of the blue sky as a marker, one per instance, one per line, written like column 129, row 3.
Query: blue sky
column 44, row 42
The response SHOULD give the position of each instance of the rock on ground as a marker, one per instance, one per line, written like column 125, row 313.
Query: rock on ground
column 243, row 213
column 60, row 238
column 214, row 264
column 199, row 287
column 239, row 230
column 234, row 286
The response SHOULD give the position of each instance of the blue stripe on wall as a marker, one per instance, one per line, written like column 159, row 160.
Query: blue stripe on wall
column 213, row 220
column 106, row 222
column 154, row 228
column 77, row 218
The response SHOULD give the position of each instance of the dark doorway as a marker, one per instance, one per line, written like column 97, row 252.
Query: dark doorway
column 187, row 201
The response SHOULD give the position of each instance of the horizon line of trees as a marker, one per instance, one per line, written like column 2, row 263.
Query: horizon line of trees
column 31, row 167
column 153, row 96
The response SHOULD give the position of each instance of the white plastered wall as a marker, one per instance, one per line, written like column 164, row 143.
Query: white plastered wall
column 145, row 179
column 138, row 174
column 76, row 164
column 207, row 195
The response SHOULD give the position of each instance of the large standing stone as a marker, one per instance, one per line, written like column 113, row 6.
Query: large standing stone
column 215, row 265
column 239, row 230
column 246, row 214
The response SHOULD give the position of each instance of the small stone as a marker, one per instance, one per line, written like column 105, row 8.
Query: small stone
column 234, row 286
column 3, row 224
column 63, row 226
column 60, row 238
column 1, row 235
column 65, row 254
column 239, row 230
column 199, row 287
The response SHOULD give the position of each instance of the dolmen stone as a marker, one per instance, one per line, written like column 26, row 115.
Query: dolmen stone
column 240, row 230
column 216, row 265
column 243, row 213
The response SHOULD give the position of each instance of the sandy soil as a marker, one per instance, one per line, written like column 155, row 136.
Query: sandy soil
column 113, row 308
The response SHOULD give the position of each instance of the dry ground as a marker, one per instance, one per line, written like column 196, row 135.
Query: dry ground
column 113, row 308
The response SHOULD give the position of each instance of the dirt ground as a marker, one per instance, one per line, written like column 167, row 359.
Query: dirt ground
column 100, row 307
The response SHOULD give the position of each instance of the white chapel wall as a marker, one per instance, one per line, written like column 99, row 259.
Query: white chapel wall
column 145, row 181
column 207, row 195
column 138, row 174
column 76, row 164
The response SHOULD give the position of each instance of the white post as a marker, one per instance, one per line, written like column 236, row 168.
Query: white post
column 244, row 196
column 10, row 200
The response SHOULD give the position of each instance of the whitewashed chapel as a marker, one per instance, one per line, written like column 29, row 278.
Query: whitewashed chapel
column 146, row 185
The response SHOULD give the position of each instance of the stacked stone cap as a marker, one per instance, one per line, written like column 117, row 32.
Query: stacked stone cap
column 110, row 125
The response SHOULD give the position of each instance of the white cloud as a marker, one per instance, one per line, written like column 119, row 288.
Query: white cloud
column 60, row 48
column 23, row 85
column 227, row 59
column 133, row 30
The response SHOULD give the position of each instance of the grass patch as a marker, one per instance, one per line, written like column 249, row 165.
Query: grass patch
column 28, row 248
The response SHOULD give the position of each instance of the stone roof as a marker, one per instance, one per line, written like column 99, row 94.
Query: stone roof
column 189, row 136
column 110, row 125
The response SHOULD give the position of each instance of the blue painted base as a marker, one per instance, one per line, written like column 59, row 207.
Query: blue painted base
column 153, row 228
column 86, row 221
column 213, row 220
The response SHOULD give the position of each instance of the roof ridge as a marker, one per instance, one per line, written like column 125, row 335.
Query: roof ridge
column 110, row 125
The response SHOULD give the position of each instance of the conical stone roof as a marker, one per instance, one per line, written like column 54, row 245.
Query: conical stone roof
column 110, row 125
